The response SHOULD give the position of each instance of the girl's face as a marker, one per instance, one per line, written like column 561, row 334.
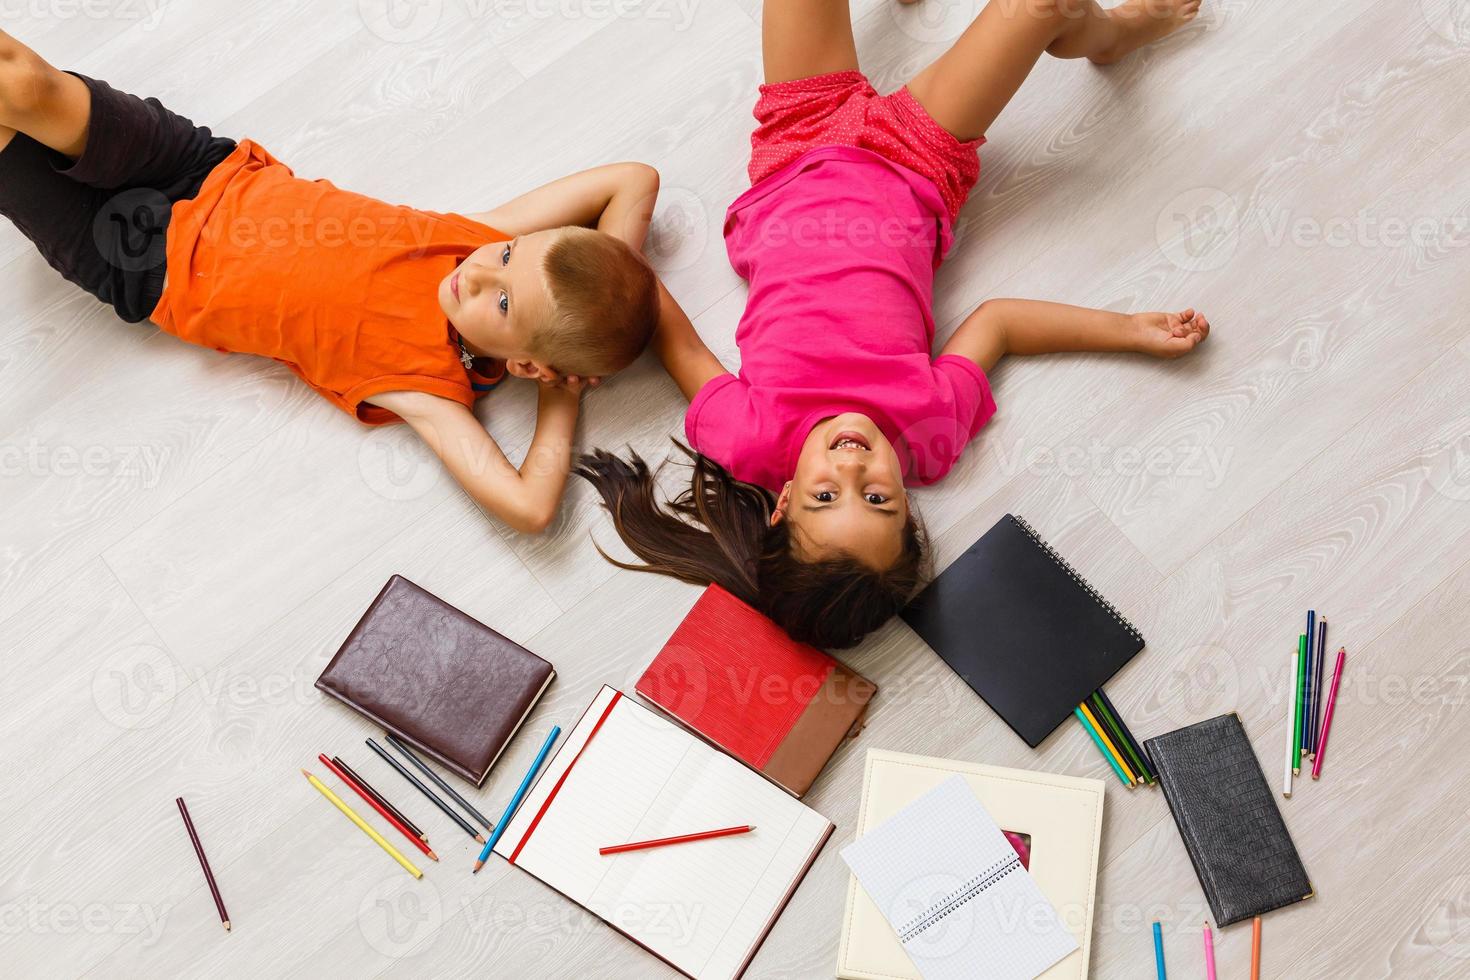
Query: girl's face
column 847, row 494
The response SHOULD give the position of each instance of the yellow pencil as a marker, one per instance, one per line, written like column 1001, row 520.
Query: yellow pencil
column 363, row 825
column 1132, row 779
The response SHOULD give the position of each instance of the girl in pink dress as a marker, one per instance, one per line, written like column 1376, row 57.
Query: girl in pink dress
column 797, row 502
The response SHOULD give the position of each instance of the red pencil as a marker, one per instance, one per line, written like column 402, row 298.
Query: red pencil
column 352, row 783
column 682, row 839
column 1327, row 718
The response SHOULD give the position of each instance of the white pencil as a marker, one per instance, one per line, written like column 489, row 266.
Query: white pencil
column 1290, row 725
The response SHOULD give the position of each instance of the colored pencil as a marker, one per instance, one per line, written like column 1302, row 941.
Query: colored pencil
column 1306, row 689
column 1209, row 953
column 363, row 825
column 1316, row 719
column 1256, row 948
column 515, row 800
column 1110, row 716
column 643, row 845
column 1097, row 739
column 1117, row 756
column 337, row 761
column 1301, row 690
column 219, row 903
column 382, row 811
column 1327, row 719
column 1291, row 756
column 1159, row 951
column 423, row 767
column 449, row 811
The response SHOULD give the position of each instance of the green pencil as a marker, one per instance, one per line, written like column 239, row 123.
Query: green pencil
column 1301, row 693
column 1097, row 740
column 1121, row 736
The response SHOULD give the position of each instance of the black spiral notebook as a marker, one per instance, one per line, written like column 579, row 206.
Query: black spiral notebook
column 1023, row 628
column 1228, row 819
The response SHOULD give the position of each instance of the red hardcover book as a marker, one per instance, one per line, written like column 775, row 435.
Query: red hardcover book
column 735, row 678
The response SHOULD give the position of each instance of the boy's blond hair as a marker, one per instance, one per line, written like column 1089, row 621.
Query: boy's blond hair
column 604, row 304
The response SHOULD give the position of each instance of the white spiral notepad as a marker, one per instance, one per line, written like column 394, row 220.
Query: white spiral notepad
column 954, row 891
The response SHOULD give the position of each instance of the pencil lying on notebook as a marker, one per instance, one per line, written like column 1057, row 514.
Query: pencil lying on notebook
column 681, row 839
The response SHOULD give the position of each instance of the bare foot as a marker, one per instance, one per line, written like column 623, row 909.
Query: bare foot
column 1169, row 335
column 1140, row 22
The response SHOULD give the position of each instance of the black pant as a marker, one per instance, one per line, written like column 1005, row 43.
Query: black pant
column 102, row 220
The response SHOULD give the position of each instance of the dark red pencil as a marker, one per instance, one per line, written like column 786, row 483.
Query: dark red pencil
column 219, row 903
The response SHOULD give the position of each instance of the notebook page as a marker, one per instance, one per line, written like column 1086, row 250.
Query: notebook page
column 953, row 890
column 702, row 905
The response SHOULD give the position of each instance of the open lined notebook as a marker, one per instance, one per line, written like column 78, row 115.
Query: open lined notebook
column 1061, row 815
column 954, row 890
column 627, row 774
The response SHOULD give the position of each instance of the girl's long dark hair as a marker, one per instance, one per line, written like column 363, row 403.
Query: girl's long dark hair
column 719, row 531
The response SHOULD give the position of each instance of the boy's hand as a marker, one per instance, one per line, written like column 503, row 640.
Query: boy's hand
column 1169, row 335
column 574, row 383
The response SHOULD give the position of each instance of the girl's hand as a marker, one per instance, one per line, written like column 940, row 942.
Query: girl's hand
column 1169, row 335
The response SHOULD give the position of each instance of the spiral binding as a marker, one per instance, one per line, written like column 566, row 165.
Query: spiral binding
column 959, row 897
column 1086, row 585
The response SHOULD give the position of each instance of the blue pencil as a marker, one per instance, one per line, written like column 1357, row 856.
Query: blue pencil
column 515, row 801
column 1159, row 951
column 1306, row 725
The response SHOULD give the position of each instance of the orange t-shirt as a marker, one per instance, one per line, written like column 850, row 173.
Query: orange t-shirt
column 341, row 288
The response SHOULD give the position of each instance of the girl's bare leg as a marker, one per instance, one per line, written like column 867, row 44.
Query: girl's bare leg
column 48, row 105
column 968, row 86
column 802, row 38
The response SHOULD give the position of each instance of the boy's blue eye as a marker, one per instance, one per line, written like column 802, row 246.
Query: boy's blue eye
column 505, row 255
column 504, row 303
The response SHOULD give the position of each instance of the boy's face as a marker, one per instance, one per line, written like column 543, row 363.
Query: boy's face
column 497, row 300
column 847, row 495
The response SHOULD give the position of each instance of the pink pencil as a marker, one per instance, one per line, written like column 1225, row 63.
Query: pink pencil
column 1327, row 718
column 1209, row 954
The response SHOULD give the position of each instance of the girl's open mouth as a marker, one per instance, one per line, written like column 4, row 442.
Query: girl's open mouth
column 850, row 441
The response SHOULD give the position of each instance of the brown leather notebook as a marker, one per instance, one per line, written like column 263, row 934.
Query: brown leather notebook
column 735, row 678
column 445, row 683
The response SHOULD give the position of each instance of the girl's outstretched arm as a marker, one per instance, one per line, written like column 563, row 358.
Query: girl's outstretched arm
column 691, row 364
column 1025, row 326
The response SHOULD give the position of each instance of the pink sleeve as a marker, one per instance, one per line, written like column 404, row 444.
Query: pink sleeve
column 973, row 403
column 716, row 415
column 936, row 445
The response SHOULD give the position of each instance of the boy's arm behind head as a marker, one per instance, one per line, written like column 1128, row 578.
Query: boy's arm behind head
column 616, row 198
column 525, row 498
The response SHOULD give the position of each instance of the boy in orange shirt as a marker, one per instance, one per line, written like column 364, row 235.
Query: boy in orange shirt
column 390, row 313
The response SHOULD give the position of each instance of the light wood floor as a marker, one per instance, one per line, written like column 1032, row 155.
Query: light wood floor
column 187, row 537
